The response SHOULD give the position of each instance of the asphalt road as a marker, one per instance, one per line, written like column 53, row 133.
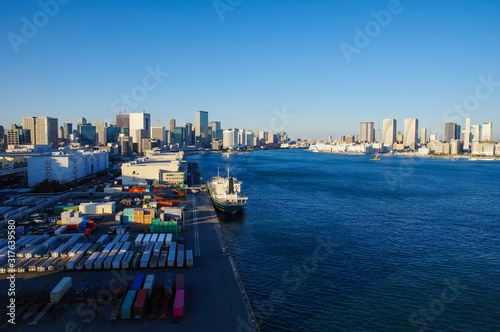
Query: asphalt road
column 215, row 300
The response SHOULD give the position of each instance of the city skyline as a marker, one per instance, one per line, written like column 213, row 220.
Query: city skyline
column 251, row 69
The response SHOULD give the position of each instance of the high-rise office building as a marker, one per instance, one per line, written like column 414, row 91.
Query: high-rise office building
column 411, row 133
column 68, row 129
column 18, row 136
column 112, row 134
column 249, row 138
column 44, row 130
column 215, row 129
column 188, row 133
column 171, row 131
column 230, row 139
column 100, row 131
column 179, row 136
column 389, row 132
column 158, row 133
column 87, row 135
column 450, row 131
column 423, row 136
column 201, row 127
column 475, row 133
column 140, row 128
column 467, row 134
column 366, row 132
column 486, row 131
column 123, row 121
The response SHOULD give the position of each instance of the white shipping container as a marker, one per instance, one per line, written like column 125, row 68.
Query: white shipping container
column 180, row 258
column 161, row 238
column 154, row 237
column 171, row 258
column 189, row 258
column 89, row 264
column 58, row 292
column 147, row 238
column 125, row 238
column 149, row 283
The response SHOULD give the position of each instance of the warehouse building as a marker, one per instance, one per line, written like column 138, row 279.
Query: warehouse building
column 160, row 168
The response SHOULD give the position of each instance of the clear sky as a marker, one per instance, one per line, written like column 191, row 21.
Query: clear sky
column 245, row 61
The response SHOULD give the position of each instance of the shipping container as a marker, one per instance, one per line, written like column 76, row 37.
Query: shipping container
column 127, row 259
column 58, row 292
column 154, row 237
column 74, row 260
column 179, row 303
column 146, row 239
column 162, row 261
column 149, row 283
column 81, row 263
column 189, row 258
column 125, row 238
column 171, row 258
column 89, row 264
column 140, row 303
column 179, row 282
column 128, row 303
column 104, row 239
column 74, row 249
column 139, row 279
column 62, row 249
column 139, row 238
column 136, row 260
column 180, row 256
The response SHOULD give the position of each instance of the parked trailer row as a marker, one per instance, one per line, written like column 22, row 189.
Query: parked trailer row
column 99, row 262
column 108, row 262
column 146, row 256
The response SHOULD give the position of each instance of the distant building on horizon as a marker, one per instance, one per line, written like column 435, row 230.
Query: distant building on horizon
column 467, row 135
column 486, row 131
column 201, row 128
column 389, row 132
column 423, row 136
column 366, row 132
column 411, row 133
column 43, row 130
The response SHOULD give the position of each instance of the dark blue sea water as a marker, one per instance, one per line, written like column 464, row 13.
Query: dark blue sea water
column 341, row 243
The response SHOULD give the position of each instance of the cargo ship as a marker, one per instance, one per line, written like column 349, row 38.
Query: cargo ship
column 226, row 193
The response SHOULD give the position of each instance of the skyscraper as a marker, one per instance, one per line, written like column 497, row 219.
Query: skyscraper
column 140, row 128
column 171, row 131
column 123, row 121
column 389, row 131
column 44, row 130
column 467, row 134
column 100, row 130
column 475, row 133
column 486, row 131
column 188, row 132
column 158, row 133
column 87, row 135
column 450, row 130
column 68, row 129
column 423, row 136
column 366, row 132
column 201, row 127
column 411, row 133
column 215, row 129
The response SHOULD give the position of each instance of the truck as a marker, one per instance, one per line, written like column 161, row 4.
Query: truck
column 81, row 291
column 128, row 303
column 149, row 283
column 189, row 258
column 146, row 256
column 138, row 282
column 171, row 258
column 60, row 290
column 179, row 303
column 169, row 284
column 140, row 303
column 162, row 262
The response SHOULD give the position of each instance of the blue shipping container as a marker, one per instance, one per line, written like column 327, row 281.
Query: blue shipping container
column 138, row 282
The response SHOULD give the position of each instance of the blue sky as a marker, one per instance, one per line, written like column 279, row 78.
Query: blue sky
column 264, row 58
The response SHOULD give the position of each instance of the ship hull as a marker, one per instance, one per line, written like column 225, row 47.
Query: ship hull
column 231, row 209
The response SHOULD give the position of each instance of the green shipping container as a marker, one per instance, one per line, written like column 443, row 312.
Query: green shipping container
column 128, row 304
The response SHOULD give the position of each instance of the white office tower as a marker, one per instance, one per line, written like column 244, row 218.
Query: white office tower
column 411, row 133
column 389, row 132
column 486, row 131
column 230, row 139
column 467, row 134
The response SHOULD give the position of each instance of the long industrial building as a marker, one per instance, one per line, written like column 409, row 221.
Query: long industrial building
column 66, row 167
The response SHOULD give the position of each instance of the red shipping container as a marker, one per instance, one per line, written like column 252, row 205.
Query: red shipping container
column 179, row 303
column 140, row 303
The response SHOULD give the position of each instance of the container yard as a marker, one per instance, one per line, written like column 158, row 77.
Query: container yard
column 141, row 265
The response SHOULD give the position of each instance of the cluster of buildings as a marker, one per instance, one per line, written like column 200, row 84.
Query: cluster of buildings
column 472, row 139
